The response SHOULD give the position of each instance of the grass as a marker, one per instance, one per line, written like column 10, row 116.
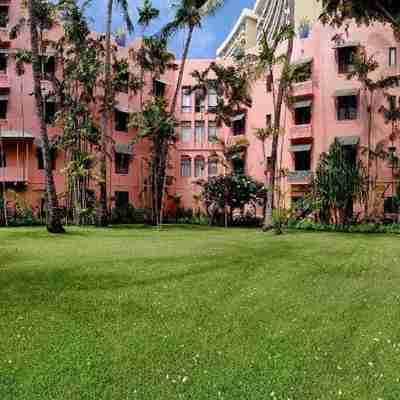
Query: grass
column 198, row 313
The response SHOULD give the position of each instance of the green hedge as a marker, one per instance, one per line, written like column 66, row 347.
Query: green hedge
column 308, row 225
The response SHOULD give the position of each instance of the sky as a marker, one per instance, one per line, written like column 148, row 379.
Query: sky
column 205, row 41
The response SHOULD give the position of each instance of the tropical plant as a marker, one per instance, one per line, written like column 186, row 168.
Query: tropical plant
column 338, row 183
column 41, row 16
column 269, row 58
column 156, row 124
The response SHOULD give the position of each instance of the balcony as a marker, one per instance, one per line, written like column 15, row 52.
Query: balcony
column 13, row 174
column 303, row 89
column 4, row 34
column 393, row 70
column 303, row 177
column 235, row 140
column 301, row 132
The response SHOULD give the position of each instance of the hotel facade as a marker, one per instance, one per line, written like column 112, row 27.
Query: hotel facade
column 326, row 106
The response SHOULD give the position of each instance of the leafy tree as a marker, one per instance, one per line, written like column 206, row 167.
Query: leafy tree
column 108, row 102
column 232, row 191
column 338, row 183
column 339, row 12
column 41, row 15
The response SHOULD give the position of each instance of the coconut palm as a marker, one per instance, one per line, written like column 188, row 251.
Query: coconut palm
column 108, row 100
column 189, row 14
column 41, row 15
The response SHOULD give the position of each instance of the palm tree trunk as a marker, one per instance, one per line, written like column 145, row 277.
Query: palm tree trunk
column 268, row 221
column 370, row 116
column 174, row 103
column 54, row 223
column 105, row 120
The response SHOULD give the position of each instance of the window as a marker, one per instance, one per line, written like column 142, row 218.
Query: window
column 302, row 116
column 391, row 205
column 238, row 165
column 122, row 163
column 123, row 83
column 269, row 83
column 121, row 199
column 186, row 132
column 186, row 167
column 186, row 100
column 121, row 121
column 49, row 111
column 48, row 67
column 199, row 167
column 392, row 102
column 158, row 88
column 302, row 161
column 3, row 63
column 212, row 100
column 345, row 59
column 392, row 56
column 212, row 166
column 268, row 120
column 199, row 132
column 40, row 158
column 3, row 108
column 239, row 124
column 199, row 101
column 3, row 16
column 347, row 108
column 3, row 159
column 212, row 131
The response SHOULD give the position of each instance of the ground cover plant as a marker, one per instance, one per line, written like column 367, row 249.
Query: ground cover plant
column 198, row 313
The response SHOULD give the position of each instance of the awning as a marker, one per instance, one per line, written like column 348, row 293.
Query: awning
column 348, row 140
column 299, row 147
column 302, row 61
column 347, row 44
column 238, row 117
column 15, row 135
column 302, row 104
column 123, row 148
column 161, row 81
column 122, row 109
column 346, row 92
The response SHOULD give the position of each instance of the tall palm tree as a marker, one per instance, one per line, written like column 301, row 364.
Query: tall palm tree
column 108, row 103
column 40, row 14
column 189, row 14
column 267, row 60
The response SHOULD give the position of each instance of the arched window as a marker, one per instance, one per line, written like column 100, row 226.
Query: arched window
column 199, row 167
column 212, row 166
column 186, row 166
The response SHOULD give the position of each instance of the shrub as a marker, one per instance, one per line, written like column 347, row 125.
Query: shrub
column 129, row 215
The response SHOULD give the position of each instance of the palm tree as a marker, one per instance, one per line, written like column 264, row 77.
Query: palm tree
column 108, row 100
column 189, row 14
column 267, row 60
column 40, row 17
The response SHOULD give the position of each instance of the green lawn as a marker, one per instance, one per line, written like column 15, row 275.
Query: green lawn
column 198, row 313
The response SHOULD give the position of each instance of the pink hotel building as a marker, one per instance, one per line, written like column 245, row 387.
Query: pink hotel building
column 327, row 106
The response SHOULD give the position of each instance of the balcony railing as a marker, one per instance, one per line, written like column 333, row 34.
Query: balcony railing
column 4, row 34
column 299, row 177
column 303, row 89
column 13, row 174
column 4, row 81
column 301, row 132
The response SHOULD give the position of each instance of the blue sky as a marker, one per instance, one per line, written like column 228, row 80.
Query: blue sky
column 206, row 40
